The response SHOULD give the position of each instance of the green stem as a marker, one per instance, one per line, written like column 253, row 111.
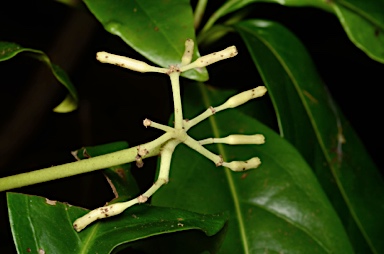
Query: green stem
column 83, row 166
column 195, row 145
column 117, row 208
column 177, row 100
column 199, row 12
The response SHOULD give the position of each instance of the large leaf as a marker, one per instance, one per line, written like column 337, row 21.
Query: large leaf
column 155, row 29
column 8, row 50
column 234, row 5
column 119, row 177
column 279, row 207
column 41, row 224
column 362, row 20
column 309, row 118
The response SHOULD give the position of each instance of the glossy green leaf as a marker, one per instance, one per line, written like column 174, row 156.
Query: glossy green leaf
column 155, row 29
column 234, row 5
column 119, row 177
column 186, row 242
column 8, row 50
column 309, row 119
column 41, row 224
column 279, row 207
column 363, row 21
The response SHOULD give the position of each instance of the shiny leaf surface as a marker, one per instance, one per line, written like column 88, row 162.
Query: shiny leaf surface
column 155, row 29
column 276, row 208
column 309, row 119
column 234, row 5
column 9, row 50
column 363, row 21
column 43, row 225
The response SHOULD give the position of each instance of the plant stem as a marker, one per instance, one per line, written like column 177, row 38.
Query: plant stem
column 195, row 145
column 115, row 209
column 83, row 166
column 177, row 100
column 199, row 12
column 165, row 165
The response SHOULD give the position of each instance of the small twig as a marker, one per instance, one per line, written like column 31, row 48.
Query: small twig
column 152, row 124
column 232, row 102
column 128, row 63
column 188, row 52
column 83, row 166
column 117, row 208
column 211, row 58
column 177, row 100
column 235, row 140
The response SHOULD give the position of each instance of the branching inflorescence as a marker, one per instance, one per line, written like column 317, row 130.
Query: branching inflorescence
column 178, row 134
column 163, row 145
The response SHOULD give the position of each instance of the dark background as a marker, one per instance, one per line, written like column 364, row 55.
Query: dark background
column 111, row 99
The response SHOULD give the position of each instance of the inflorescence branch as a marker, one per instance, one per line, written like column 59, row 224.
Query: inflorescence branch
column 164, row 145
column 179, row 132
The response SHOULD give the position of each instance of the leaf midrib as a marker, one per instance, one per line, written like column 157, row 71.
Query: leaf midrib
column 362, row 13
column 318, row 136
column 28, row 208
column 228, row 176
column 234, row 192
column 322, row 144
column 89, row 239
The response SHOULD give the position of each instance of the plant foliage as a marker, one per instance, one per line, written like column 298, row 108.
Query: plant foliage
column 317, row 190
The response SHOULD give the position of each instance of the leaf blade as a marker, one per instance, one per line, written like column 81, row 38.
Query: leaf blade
column 9, row 50
column 363, row 21
column 364, row 25
column 252, row 198
column 44, row 225
column 320, row 129
column 163, row 28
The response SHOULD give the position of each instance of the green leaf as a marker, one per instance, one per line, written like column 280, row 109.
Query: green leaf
column 234, row 5
column 155, row 29
column 119, row 177
column 309, row 119
column 279, row 207
column 363, row 21
column 8, row 50
column 38, row 223
column 182, row 242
